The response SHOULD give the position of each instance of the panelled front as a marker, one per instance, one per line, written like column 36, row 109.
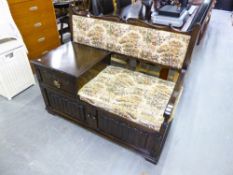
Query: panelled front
column 37, row 24
column 122, row 130
column 66, row 105
column 60, row 95
column 59, row 91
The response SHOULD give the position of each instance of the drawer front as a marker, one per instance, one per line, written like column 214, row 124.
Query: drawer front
column 40, row 44
column 65, row 105
column 41, row 49
column 37, row 40
column 36, row 25
column 31, row 8
column 58, row 80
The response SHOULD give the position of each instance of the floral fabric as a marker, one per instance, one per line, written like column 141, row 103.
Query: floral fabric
column 135, row 96
column 153, row 45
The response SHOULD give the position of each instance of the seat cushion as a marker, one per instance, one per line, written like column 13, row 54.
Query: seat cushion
column 135, row 96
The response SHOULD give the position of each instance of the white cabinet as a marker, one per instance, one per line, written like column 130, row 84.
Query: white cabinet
column 15, row 71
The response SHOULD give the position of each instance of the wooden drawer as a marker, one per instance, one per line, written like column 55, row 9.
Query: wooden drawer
column 36, row 25
column 42, row 49
column 59, row 81
column 40, row 43
column 36, row 39
column 31, row 8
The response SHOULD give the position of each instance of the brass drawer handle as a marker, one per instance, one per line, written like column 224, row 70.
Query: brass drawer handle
column 33, row 8
column 57, row 84
column 38, row 24
column 42, row 39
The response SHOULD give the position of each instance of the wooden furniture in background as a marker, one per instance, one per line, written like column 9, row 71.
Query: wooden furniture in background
column 62, row 15
column 37, row 23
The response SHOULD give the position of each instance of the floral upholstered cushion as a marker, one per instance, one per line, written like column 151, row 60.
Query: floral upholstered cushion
column 156, row 46
column 135, row 96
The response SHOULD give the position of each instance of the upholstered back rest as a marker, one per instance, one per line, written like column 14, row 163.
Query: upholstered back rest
column 153, row 45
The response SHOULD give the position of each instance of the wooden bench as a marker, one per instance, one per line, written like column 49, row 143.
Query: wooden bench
column 130, row 106
column 121, row 80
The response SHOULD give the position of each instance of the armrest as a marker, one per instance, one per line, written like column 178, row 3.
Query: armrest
column 174, row 98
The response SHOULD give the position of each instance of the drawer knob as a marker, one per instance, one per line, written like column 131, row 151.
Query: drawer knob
column 38, row 24
column 42, row 39
column 33, row 8
column 57, row 84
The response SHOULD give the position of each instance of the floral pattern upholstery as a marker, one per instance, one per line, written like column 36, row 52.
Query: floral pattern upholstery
column 156, row 46
column 135, row 96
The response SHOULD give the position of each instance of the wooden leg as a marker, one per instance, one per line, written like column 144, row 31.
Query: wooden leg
column 164, row 73
column 203, row 30
column 154, row 161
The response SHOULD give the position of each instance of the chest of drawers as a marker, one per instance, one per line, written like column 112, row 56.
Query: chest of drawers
column 37, row 24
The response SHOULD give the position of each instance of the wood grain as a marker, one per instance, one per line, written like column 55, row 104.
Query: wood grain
column 37, row 24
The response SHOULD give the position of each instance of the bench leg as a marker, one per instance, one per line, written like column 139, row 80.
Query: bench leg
column 154, row 161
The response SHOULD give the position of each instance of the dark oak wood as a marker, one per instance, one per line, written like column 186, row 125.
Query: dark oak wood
column 66, row 65
column 60, row 71
column 164, row 72
column 72, row 58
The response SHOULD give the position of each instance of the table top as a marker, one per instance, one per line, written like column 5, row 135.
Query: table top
column 72, row 58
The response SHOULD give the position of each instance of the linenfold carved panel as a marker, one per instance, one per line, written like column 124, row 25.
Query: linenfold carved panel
column 157, row 46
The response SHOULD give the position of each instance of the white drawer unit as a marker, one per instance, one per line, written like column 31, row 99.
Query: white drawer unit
column 15, row 71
